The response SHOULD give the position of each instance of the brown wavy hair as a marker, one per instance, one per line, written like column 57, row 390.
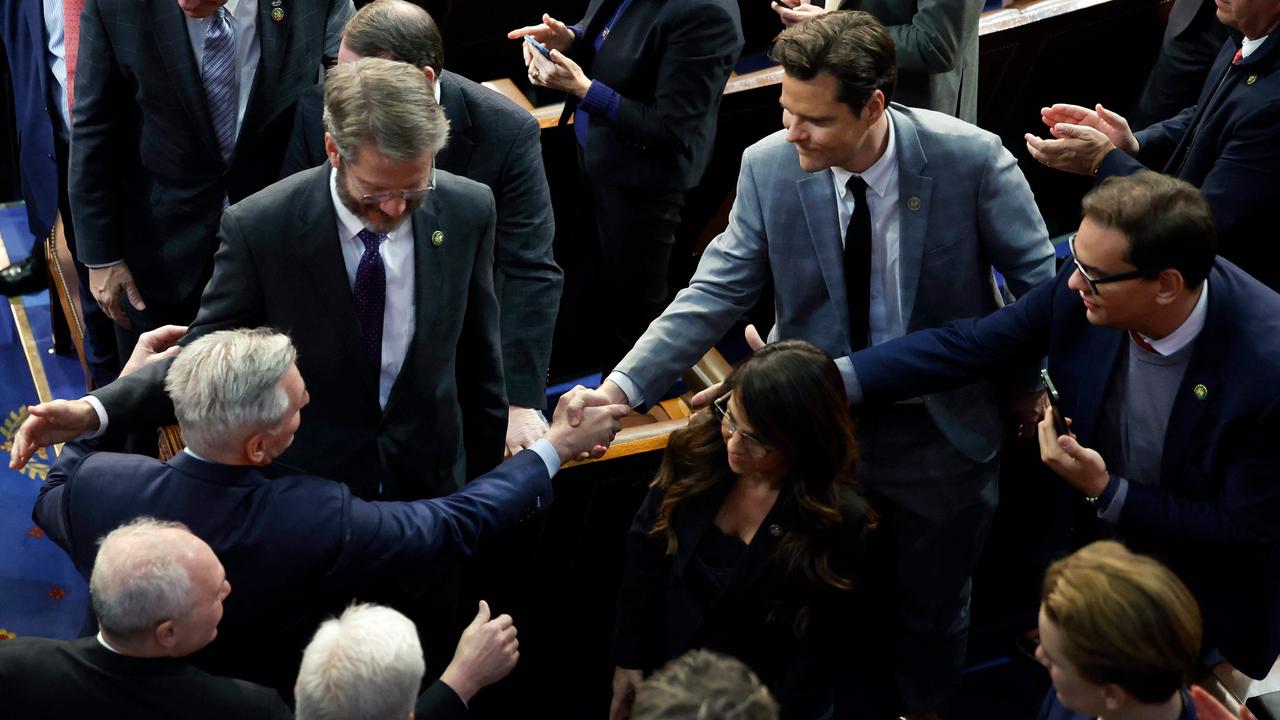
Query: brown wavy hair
column 794, row 396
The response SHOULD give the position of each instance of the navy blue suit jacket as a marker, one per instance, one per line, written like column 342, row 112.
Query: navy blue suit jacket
column 295, row 547
column 23, row 36
column 1233, row 155
column 1215, row 516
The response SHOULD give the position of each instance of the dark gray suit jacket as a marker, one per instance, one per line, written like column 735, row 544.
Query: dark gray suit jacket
column 146, row 176
column 280, row 265
column 937, row 44
column 495, row 142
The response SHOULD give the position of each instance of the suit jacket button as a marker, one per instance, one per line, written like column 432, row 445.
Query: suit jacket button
column 775, row 530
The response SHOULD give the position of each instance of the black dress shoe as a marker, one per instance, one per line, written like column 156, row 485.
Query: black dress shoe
column 27, row 276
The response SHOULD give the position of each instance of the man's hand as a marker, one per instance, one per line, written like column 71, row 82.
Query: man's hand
column 524, row 426
column 755, row 342
column 794, row 11
column 48, row 424
column 558, row 72
column 574, row 402
column 1082, row 468
column 154, row 346
column 487, row 652
column 1208, row 707
column 1076, row 149
column 107, row 283
column 1029, row 409
column 592, row 435
column 625, row 684
column 550, row 32
column 1113, row 125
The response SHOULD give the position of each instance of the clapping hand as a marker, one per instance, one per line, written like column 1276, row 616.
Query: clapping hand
column 1080, row 138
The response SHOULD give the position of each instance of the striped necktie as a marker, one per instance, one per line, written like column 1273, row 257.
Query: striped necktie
column 220, row 80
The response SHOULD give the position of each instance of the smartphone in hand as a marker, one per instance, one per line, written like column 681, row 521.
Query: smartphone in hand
column 538, row 46
column 1059, row 423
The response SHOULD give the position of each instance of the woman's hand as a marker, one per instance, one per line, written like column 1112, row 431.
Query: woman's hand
column 625, row 682
column 550, row 32
column 558, row 72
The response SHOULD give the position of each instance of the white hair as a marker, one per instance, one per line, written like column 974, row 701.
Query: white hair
column 365, row 665
column 227, row 384
column 140, row 579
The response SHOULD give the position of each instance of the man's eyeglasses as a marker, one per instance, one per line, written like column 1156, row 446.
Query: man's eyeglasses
column 754, row 445
column 1092, row 281
column 407, row 195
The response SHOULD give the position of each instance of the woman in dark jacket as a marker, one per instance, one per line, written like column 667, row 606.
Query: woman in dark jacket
column 751, row 538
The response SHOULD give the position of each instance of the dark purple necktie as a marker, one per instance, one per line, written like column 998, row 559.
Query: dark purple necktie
column 371, row 294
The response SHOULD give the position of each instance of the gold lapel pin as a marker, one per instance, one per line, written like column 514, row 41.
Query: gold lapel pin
column 437, row 238
column 1201, row 392
column 277, row 14
column 913, row 203
column 1252, row 79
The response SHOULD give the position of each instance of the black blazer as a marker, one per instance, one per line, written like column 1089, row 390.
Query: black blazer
column 670, row 61
column 54, row 679
column 146, row 176
column 295, row 548
column 280, row 265
column 659, row 617
column 497, row 143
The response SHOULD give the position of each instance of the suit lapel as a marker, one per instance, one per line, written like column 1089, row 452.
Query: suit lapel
column 272, row 39
column 1203, row 371
column 818, row 200
column 317, row 244
column 1103, row 354
column 174, row 44
column 913, row 222
column 456, row 155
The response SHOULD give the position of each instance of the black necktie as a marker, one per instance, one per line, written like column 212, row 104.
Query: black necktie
column 857, row 265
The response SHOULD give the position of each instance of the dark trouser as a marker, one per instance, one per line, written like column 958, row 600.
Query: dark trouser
column 637, row 227
column 936, row 506
column 99, row 335
column 155, row 315
column 1180, row 71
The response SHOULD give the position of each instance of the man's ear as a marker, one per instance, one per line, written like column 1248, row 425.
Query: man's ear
column 431, row 75
column 255, row 449
column 331, row 149
column 874, row 107
column 166, row 635
column 1114, row 697
column 1171, row 286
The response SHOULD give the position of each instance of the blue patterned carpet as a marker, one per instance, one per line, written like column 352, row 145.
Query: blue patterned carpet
column 40, row 591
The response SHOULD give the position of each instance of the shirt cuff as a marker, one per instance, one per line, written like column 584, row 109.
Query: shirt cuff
column 601, row 100
column 1111, row 501
column 548, row 453
column 102, row 417
column 99, row 266
column 577, row 31
column 628, row 387
column 852, row 387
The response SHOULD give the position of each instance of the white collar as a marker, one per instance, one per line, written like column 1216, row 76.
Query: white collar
column 1249, row 46
column 104, row 644
column 1188, row 330
column 195, row 455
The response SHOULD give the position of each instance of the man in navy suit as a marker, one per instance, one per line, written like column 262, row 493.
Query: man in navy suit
column 1227, row 144
column 295, row 546
column 1171, row 381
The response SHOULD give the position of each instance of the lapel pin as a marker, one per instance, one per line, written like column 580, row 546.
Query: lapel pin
column 775, row 530
column 277, row 13
column 913, row 203
column 1252, row 79
column 1201, row 392
column 437, row 238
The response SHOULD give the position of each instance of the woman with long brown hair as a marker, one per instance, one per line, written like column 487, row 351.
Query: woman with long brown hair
column 750, row 539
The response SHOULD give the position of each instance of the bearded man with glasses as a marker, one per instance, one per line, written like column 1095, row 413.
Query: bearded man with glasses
column 1171, row 383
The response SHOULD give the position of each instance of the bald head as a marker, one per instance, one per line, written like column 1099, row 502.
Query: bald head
column 157, row 589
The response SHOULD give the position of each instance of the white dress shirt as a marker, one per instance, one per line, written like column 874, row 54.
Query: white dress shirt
column 886, row 224
column 244, row 20
column 398, row 315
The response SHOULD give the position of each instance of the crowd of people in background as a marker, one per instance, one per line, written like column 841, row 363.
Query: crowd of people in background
column 345, row 295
